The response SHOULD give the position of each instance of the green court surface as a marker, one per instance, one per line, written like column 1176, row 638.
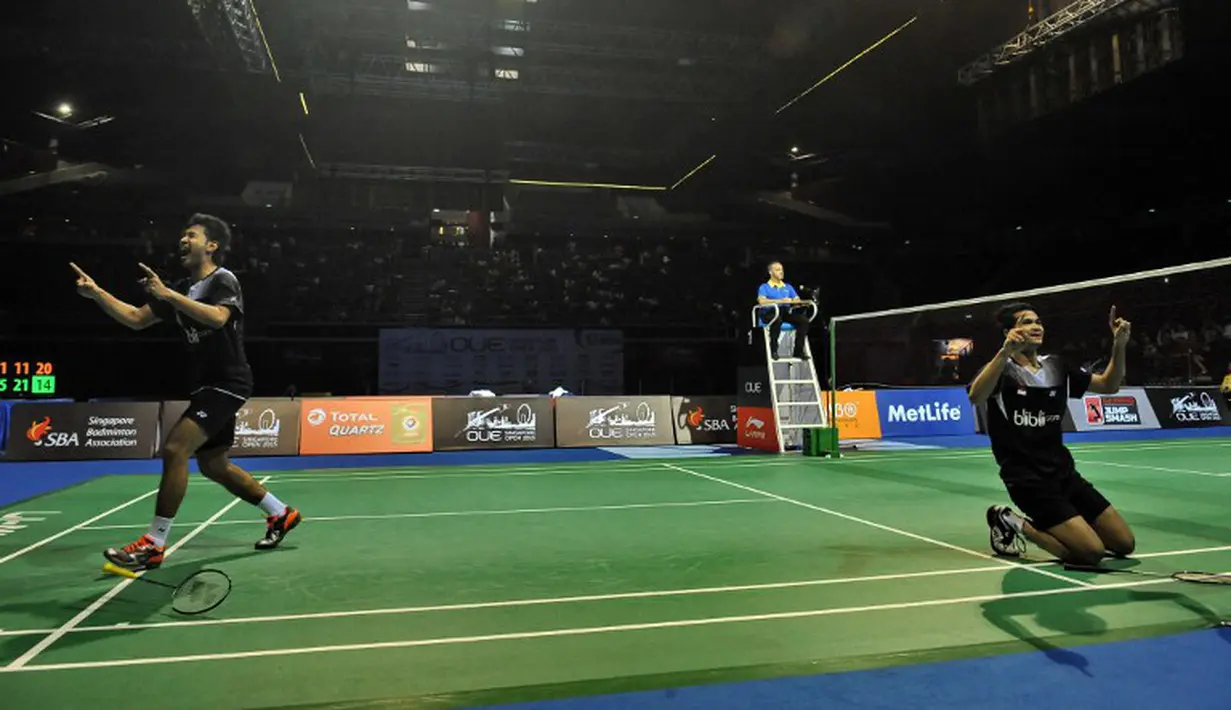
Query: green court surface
column 457, row 587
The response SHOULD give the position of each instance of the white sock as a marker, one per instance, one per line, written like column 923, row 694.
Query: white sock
column 272, row 506
column 160, row 529
column 1014, row 520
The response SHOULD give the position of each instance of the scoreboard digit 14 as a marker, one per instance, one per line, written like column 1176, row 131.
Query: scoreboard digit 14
column 20, row 379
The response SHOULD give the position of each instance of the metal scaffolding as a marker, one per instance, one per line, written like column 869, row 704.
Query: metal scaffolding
column 1075, row 16
column 231, row 29
column 388, row 23
column 412, row 173
column 450, row 79
column 541, row 152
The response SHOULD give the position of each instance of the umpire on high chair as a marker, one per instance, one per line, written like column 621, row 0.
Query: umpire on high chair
column 776, row 290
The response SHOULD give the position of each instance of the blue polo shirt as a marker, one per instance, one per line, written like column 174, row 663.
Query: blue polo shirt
column 767, row 290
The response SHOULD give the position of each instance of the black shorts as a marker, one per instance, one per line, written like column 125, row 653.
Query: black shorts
column 1047, row 502
column 214, row 411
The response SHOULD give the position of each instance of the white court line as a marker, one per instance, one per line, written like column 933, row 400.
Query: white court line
column 1101, row 447
column 584, row 631
column 498, row 469
column 1146, row 445
column 615, row 596
column 467, row 513
column 30, row 512
column 510, row 472
column 86, row 613
column 78, row 526
column 1091, row 462
column 827, row 511
column 750, row 461
column 1178, row 553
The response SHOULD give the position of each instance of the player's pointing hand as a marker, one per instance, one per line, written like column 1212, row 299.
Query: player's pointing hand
column 153, row 284
column 85, row 285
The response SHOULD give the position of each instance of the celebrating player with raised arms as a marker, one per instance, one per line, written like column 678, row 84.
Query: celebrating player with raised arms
column 1026, row 395
column 208, row 310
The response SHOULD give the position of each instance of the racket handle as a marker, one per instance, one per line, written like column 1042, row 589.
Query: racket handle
column 111, row 568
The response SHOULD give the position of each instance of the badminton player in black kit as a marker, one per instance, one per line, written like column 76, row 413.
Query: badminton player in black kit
column 1026, row 395
column 208, row 310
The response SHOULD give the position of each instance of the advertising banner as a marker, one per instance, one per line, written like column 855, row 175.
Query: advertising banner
column 365, row 425
column 857, row 415
column 61, row 431
column 756, row 429
column 1189, row 407
column 942, row 411
column 444, row 361
column 263, row 427
column 1128, row 409
column 705, row 420
column 460, row 423
column 614, row 421
column 752, row 390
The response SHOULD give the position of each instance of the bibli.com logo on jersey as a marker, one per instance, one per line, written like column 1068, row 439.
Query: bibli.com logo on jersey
column 1037, row 419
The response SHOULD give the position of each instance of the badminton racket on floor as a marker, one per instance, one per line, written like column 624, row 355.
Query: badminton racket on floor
column 1181, row 576
column 201, row 591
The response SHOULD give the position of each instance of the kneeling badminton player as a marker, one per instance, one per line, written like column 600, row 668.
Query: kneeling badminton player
column 1026, row 395
column 208, row 308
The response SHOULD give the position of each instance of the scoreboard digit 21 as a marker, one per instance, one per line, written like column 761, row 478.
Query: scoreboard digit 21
column 27, row 378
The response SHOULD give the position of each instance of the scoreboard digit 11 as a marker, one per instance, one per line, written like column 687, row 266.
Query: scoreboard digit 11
column 20, row 379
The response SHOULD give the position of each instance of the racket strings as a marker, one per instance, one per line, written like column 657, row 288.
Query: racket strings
column 201, row 592
column 1203, row 577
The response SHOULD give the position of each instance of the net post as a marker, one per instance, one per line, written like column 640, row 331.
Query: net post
column 829, row 434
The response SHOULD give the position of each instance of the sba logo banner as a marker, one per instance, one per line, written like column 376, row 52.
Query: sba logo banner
column 935, row 412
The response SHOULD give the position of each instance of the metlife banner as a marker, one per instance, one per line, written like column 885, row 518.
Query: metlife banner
column 1189, row 407
column 455, row 361
column 1127, row 409
column 943, row 411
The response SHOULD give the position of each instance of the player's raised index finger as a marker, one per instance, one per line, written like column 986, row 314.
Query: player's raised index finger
column 76, row 268
column 147, row 270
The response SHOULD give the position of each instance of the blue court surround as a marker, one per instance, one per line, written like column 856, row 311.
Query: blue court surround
column 1189, row 669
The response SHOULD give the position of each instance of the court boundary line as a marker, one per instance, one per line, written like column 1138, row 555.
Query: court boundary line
column 1160, row 469
column 576, row 631
column 31, row 653
column 1180, row 553
column 646, row 465
column 513, row 603
column 78, row 526
column 579, row 599
column 513, row 472
column 481, row 513
column 886, row 528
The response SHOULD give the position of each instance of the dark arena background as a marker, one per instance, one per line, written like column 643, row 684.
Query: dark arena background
column 499, row 261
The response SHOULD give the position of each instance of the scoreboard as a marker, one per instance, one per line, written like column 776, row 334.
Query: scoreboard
column 22, row 379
